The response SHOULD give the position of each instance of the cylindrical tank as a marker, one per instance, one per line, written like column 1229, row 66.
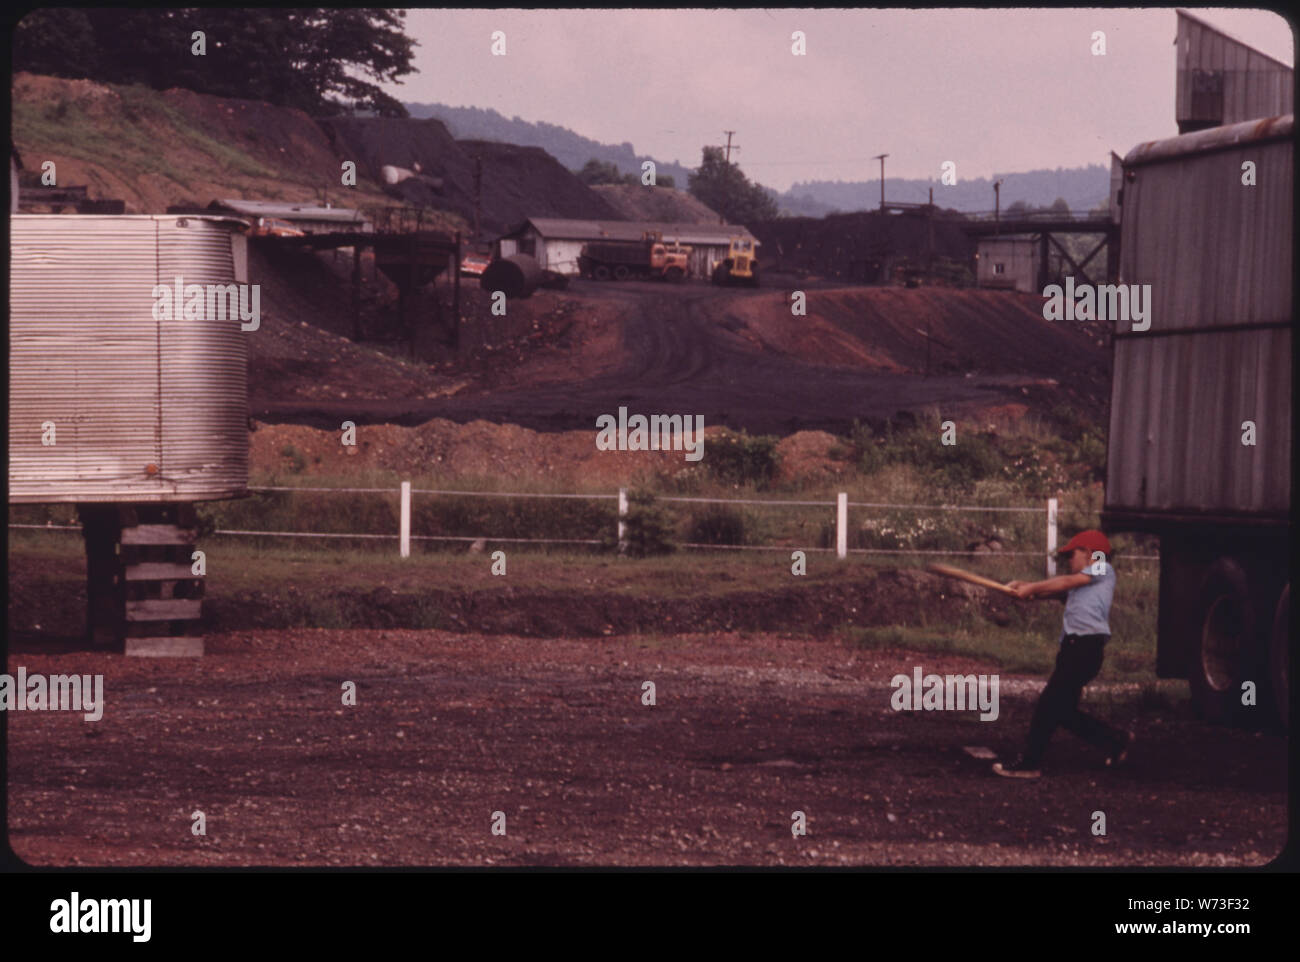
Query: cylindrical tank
column 108, row 403
column 517, row 275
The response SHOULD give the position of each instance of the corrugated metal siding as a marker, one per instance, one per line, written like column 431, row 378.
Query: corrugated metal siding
column 1176, row 413
column 1253, row 85
column 1215, row 253
column 123, row 390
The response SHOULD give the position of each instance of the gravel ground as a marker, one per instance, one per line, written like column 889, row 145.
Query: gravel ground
column 552, row 733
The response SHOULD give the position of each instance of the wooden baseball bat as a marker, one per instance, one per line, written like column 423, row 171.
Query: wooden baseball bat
column 963, row 575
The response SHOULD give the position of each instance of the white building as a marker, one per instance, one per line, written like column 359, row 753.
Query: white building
column 1007, row 262
column 556, row 243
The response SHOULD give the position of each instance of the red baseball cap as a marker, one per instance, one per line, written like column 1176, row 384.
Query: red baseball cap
column 1090, row 541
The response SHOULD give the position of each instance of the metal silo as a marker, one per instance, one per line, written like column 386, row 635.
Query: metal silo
column 129, row 413
column 142, row 410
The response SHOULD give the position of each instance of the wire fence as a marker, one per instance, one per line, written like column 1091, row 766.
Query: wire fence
column 404, row 535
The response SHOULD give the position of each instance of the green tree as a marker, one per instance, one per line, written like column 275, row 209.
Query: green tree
column 597, row 171
column 322, row 61
column 600, row 172
column 723, row 187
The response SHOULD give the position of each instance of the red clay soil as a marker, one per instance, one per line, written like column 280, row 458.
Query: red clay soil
column 746, row 731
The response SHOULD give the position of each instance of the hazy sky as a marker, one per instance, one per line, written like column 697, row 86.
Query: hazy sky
column 995, row 91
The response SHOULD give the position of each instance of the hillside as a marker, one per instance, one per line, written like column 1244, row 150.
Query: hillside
column 109, row 138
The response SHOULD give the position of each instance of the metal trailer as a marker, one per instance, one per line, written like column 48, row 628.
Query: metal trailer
column 1217, row 255
column 133, row 417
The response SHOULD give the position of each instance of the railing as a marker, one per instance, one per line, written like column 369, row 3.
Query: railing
column 841, row 504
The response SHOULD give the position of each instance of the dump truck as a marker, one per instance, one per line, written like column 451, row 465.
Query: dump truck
column 740, row 265
column 647, row 258
column 1199, row 446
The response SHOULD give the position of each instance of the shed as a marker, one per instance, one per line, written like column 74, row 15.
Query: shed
column 1223, row 81
column 556, row 243
column 1010, row 263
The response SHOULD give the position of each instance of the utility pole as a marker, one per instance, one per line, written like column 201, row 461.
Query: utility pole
column 478, row 192
column 997, row 207
column 881, row 158
column 729, row 147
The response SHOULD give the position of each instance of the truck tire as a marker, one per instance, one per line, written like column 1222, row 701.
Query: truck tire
column 600, row 272
column 621, row 272
column 721, row 275
column 1222, row 652
column 1279, row 659
column 675, row 275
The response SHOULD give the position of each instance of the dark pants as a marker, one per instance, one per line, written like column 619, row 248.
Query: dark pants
column 1077, row 664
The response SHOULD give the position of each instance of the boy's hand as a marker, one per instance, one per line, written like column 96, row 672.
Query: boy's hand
column 1023, row 589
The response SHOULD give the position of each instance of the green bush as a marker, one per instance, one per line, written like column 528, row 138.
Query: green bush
column 718, row 525
column 739, row 459
column 954, row 466
column 648, row 530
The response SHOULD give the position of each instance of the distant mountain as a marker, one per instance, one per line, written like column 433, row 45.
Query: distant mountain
column 570, row 149
column 1082, row 187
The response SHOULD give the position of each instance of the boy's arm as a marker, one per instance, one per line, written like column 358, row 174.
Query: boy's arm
column 1051, row 587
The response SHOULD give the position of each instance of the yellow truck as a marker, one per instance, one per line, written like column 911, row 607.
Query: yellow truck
column 633, row 260
column 740, row 265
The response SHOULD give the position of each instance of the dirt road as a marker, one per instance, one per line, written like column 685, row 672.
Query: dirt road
column 683, row 349
column 449, row 729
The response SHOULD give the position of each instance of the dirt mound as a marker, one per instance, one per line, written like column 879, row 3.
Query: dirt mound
column 478, row 449
column 108, row 136
column 809, row 455
column 968, row 332
column 660, row 204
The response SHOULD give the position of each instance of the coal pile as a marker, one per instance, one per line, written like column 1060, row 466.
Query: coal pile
column 521, row 182
column 517, row 182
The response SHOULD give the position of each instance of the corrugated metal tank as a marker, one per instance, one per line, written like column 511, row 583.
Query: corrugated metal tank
column 1218, row 257
column 144, row 410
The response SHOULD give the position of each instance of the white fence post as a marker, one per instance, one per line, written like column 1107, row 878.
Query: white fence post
column 1051, row 537
column 842, row 525
column 622, row 525
column 405, row 530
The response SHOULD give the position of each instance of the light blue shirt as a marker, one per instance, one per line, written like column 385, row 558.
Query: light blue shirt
column 1087, row 607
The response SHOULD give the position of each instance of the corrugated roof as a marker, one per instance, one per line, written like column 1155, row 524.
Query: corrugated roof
column 265, row 208
column 633, row 230
column 1214, row 138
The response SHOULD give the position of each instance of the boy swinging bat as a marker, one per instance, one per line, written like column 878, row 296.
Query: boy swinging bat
column 1088, row 590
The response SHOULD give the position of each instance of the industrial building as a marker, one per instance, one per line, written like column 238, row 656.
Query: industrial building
column 1222, row 81
column 1009, row 263
column 556, row 243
